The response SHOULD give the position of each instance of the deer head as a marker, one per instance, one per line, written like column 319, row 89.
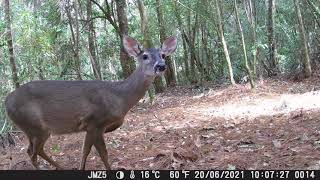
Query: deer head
column 151, row 60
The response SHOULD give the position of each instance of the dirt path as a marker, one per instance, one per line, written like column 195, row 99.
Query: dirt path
column 264, row 106
column 273, row 127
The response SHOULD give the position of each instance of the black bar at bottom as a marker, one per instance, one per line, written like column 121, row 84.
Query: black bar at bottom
column 160, row 174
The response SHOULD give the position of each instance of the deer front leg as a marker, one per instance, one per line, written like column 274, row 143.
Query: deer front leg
column 87, row 144
column 101, row 148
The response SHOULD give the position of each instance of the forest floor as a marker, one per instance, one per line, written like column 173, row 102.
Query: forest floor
column 275, row 126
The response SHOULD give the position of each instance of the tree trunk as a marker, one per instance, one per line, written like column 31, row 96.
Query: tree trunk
column 184, row 43
column 190, row 42
column 91, row 39
column 157, row 85
column 224, row 43
column 10, row 44
column 306, row 58
column 147, row 43
column 77, row 42
column 127, row 63
column 169, row 74
column 250, row 11
column 193, row 49
column 209, row 59
column 315, row 10
column 185, row 60
column 243, row 45
column 75, row 37
column 36, row 5
column 271, row 38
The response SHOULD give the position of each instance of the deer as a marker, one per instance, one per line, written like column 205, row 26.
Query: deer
column 44, row 107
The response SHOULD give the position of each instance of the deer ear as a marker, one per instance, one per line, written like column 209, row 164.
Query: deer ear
column 169, row 46
column 131, row 46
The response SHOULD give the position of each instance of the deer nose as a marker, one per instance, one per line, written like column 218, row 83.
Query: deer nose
column 160, row 67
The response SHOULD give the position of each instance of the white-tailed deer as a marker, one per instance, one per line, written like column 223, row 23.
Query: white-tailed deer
column 41, row 108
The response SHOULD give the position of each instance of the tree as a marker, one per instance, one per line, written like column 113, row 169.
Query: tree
column 224, row 43
column 250, row 12
column 36, row 6
column 75, row 34
column 147, row 43
column 189, row 34
column 10, row 44
column 306, row 58
column 126, row 61
column 188, row 71
column 169, row 74
column 81, row 39
column 91, row 45
column 271, row 39
column 315, row 10
column 243, row 45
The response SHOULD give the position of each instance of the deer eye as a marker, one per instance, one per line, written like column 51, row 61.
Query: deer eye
column 163, row 56
column 145, row 57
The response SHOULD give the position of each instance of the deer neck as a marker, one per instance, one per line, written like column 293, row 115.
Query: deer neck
column 134, row 87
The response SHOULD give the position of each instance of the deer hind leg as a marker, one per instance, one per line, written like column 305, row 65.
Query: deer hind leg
column 36, row 148
column 87, row 144
column 101, row 148
column 33, row 150
column 50, row 160
column 33, row 157
column 30, row 148
column 44, row 155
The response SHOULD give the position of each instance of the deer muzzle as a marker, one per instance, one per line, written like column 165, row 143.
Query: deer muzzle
column 160, row 67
